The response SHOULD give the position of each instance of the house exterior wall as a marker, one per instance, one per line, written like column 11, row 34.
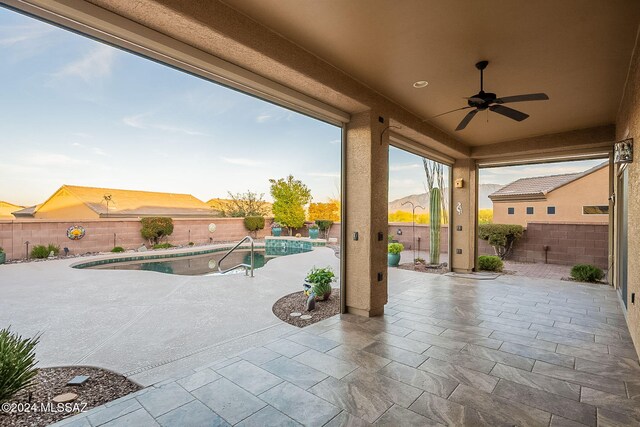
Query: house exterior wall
column 568, row 244
column 64, row 205
column 7, row 208
column 590, row 190
column 628, row 126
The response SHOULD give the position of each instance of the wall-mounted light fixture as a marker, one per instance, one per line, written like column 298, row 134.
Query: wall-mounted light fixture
column 399, row 232
column 623, row 151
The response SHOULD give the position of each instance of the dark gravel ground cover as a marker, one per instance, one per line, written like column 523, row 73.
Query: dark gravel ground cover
column 296, row 303
column 30, row 406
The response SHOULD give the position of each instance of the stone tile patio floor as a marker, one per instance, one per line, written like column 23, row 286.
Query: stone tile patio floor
column 540, row 270
column 510, row 351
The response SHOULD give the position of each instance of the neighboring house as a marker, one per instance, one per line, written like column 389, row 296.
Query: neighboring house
column 576, row 197
column 73, row 202
column 7, row 209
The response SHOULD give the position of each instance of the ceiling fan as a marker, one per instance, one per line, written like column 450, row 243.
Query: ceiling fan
column 485, row 100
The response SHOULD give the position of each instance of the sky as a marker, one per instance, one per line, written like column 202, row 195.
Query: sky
column 78, row 112
column 75, row 111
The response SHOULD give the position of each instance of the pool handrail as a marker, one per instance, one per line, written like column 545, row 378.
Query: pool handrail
column 247, row 267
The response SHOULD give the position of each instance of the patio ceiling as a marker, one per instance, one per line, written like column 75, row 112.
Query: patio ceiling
column 576, row 51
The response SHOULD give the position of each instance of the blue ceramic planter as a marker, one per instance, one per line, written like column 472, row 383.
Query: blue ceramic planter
column 393, row 260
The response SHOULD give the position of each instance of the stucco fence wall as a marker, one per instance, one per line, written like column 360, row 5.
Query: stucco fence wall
column 569, row 244
column 422, row 232
column 99, row 235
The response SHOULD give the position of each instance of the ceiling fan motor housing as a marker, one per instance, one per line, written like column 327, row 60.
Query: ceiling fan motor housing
column 482, row 100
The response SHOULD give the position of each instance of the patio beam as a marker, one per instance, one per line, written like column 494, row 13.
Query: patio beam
column 592, row 141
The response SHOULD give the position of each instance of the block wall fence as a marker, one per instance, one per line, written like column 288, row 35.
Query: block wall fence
column 101, row 234
column 569, row 244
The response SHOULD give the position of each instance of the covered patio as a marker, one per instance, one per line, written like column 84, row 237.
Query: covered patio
column 409, row 348
column 448, row 351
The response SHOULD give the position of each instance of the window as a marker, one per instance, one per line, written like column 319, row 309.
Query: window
column 595, row 210
column 511, row 211
column 551, row 210
column 529, row 210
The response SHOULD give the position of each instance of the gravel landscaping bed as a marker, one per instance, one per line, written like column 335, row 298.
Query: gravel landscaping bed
column 34, row 407
column 296, row 303
column 422, row 268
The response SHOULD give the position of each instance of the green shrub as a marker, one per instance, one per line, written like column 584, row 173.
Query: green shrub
column 500, row 236
column 490, row 263
column 1, row 250
column 117, row 249
column 17, row 363
column 320, row 280
column 313, row 226
column 190, row 243
column 586, row 273
column 162, row 246
column 53, row 248
column 324, row 224
column 155, row 228
column 39, row 251
column 395, row 248
column 254, row 223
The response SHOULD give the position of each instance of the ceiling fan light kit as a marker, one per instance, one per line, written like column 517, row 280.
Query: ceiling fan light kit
column 482, row 101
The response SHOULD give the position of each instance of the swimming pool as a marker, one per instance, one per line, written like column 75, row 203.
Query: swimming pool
column 196, row 263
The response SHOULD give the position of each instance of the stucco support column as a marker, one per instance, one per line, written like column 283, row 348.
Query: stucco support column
column 463, row 222
column 367, row 164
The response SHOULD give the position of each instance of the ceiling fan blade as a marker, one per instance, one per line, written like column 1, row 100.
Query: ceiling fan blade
column 509, row 112
column 522, row 98
column 463, row 124
column 457, row 109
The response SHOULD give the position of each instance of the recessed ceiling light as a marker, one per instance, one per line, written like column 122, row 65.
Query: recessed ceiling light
column 420, row 84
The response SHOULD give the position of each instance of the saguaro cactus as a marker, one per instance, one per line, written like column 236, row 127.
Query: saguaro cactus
column 434, row 225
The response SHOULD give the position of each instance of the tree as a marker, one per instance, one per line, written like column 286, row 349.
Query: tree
column 240, row 205
column 289, row 198
column 155, row 228
column 329, row 210
column 500, row 236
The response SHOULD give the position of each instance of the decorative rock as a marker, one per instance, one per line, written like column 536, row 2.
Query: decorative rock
column 311, row 302
column 142, row 248
column 65, row 397
column 78, row 380
column 305, row 317
column 295, row 314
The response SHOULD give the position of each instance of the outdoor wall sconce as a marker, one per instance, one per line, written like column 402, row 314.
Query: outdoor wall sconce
column 399, row 232
column 623, row 151
column 458, row 183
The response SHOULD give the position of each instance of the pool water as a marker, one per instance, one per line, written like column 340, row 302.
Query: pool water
column 198, row 265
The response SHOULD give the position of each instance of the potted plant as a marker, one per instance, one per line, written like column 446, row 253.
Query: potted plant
column 276, row 229
column 313, row 231
column 3, row 256
column 393, row 251
column 320, row 280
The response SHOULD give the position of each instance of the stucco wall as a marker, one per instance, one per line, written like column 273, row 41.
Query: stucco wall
column 100, row 233
column 569, row 244
column 591, row 190
column 628, row 126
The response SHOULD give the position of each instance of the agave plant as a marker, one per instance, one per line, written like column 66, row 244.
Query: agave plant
column 17, row 363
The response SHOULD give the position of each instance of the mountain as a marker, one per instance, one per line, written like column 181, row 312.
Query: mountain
column 423, row 199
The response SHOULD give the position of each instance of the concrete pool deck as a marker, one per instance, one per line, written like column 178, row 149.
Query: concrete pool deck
column 146, row 325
